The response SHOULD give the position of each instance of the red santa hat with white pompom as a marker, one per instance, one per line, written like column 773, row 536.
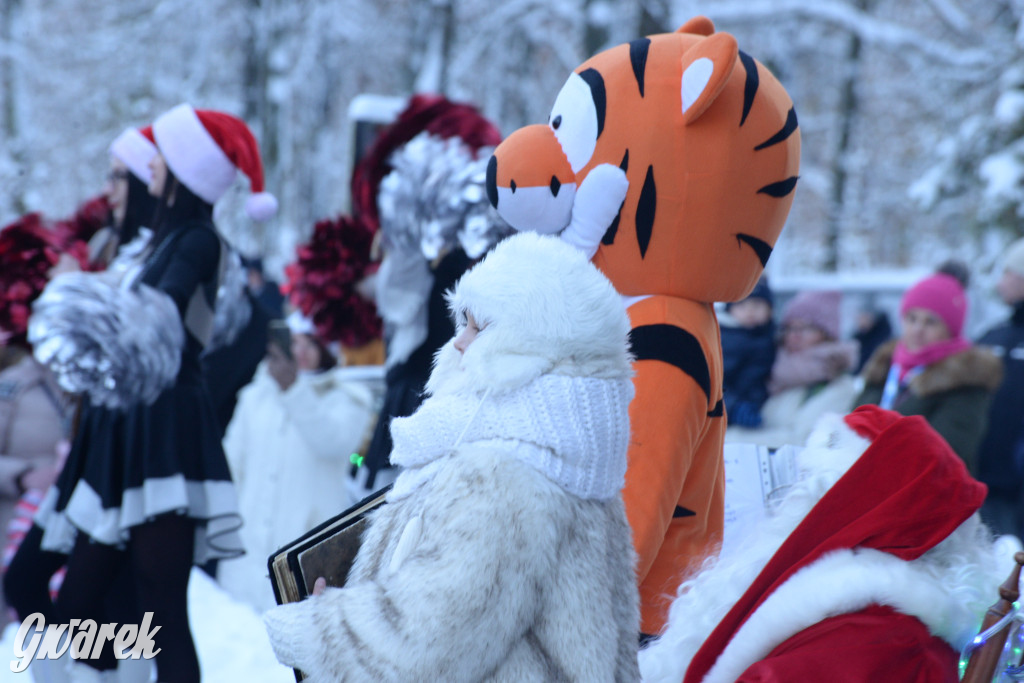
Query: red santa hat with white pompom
column 204, row 149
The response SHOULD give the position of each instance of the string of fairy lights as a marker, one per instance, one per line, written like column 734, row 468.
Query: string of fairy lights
column 1009, row 667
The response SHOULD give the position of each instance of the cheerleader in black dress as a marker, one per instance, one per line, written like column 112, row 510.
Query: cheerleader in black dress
column 27, row 580
column 147, row 482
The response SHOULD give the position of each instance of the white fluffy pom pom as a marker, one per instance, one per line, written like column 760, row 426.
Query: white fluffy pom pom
column 261, row 206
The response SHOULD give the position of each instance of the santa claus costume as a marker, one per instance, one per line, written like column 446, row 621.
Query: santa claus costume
column 875, row 567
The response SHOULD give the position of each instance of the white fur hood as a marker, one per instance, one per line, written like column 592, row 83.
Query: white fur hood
column 542, row 308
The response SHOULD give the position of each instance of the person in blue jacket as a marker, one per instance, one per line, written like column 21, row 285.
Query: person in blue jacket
column 748, row 352
column 1001, row 454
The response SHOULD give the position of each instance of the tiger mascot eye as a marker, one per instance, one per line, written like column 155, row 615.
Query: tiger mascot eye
column 672, row 161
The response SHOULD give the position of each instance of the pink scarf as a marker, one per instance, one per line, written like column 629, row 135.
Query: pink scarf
column 908, row 360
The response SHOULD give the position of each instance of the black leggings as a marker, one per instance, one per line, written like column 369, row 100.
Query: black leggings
column 27, row 590
column 27, row 581
column 159, row 558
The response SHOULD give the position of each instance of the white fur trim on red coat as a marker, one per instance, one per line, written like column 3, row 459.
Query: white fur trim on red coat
column 192, row 154
column 842, row 582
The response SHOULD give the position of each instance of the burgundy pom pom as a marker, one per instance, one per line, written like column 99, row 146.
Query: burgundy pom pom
column 29, row 247
column 322, row 282
column 89, row 218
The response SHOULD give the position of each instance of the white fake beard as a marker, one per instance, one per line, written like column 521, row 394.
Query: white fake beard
column 485, row 365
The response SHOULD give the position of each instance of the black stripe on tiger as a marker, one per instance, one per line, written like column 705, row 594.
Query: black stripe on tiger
column 718, row 410
column 779, row 189
column 751, row 84
column 787, row 129
column 675, row 346
column 682, row 512
column 596, row 83
column 492, row 181
column 645, row 207
column 613, row 229
column 638, row 59
column 760, row 247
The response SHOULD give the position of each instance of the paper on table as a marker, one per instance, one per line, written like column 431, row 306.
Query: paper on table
column 755, row 478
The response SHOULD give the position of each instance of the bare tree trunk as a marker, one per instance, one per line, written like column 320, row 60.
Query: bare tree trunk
column 255, row 68
column 432, row 75
column 848, row 111
column 595, row 35
column 259, row 110
column 654, row 17
column 447, row 12
column 8, row 85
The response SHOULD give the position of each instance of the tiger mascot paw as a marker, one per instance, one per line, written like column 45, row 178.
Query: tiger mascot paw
column 598, row 202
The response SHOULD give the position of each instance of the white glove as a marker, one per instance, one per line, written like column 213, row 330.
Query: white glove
column 597, row 202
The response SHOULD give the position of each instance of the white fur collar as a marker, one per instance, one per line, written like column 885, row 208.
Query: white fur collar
column 842, row 582
column 575, row 430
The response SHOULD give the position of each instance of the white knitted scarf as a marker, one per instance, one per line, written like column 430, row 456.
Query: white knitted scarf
column 575, row 430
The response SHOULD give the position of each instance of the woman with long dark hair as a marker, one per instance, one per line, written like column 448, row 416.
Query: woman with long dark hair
column 147, row 485
column 27, row 580
column 127, row 195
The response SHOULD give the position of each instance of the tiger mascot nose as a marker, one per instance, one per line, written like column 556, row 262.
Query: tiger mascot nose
column 530, row 181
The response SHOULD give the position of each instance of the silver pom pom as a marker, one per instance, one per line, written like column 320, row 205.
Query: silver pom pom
column 117, row 345
column 232, row 309
column 435, row 200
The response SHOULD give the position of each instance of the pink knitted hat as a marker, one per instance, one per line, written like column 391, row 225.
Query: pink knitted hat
column 942, row 295
column 820, row 309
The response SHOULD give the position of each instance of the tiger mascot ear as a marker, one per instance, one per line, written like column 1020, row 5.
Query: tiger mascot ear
column 706, row 69
column 699, row 26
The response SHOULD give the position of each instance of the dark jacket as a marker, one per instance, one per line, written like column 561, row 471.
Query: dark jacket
column 405, row 381
column 271, row 299
column 231, row 367
column 747, row 357
column 996, row 465
column 953, row 395
column 873, row 337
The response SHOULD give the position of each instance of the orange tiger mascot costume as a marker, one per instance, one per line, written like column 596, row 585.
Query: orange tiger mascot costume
column 672, row 161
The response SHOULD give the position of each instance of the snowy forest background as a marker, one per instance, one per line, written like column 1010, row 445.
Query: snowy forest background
column 912, row 111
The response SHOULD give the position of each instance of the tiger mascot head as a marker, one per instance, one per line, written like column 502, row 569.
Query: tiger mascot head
column 672, row 160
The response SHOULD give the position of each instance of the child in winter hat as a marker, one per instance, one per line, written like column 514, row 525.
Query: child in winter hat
column 204, row 149
column 748, row 352
column 811, row 354
column 820, row 309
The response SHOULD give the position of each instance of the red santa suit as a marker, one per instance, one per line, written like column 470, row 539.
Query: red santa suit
column 884, row 579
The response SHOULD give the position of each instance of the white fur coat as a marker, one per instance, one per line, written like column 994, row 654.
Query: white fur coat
column 289, row 456
column 485, row 567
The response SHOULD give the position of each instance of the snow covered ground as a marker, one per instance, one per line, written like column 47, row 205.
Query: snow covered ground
column 229, row 636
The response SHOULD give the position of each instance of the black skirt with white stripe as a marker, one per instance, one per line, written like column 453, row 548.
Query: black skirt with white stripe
column 127, row 467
